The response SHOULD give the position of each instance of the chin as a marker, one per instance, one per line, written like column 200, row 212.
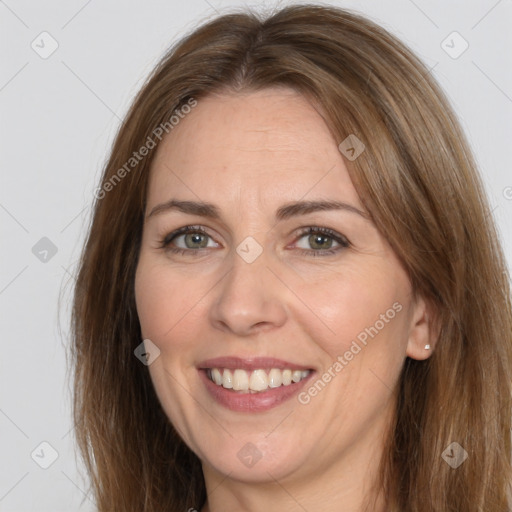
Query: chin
column 257, row 459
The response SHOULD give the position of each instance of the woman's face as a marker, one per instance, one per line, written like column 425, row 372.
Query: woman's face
column 268, row 287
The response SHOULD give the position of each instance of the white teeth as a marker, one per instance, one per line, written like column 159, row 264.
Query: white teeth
column 217, row 376
column 296, row 376
column 257, row 380
column 240, row 380
column 275, row 378
column 227, row 379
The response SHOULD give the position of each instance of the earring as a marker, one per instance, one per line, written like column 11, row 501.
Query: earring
column 427, row 347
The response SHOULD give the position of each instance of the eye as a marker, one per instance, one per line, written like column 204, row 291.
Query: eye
column 318, row 241
column 312, row 241
column 187, row 239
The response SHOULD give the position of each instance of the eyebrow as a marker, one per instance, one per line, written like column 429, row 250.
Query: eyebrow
column 203, row 209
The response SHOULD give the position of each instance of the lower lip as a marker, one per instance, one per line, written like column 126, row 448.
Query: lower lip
column 252, row 402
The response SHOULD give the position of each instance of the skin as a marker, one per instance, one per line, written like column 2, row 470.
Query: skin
column 249, row 154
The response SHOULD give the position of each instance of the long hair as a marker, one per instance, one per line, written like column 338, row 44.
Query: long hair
column 416, row 178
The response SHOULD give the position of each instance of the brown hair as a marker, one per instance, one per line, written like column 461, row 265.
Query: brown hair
column 418, row 181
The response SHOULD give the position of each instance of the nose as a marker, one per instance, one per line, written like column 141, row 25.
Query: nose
column 249, row 299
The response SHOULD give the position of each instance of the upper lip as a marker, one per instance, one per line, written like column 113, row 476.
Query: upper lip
column 250, row 363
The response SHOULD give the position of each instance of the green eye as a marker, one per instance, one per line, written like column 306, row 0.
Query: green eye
column 187, row 239
column 313, row 241
column 321, row 241
column 194, row 240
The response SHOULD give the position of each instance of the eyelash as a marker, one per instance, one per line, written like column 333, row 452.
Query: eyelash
column 311, row 230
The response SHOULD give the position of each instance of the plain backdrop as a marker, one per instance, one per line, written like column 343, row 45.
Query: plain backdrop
column 59, row 113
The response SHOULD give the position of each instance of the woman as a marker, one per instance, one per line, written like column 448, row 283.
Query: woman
column 292, row 296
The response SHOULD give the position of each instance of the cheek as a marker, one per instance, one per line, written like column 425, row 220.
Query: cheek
column 165, row 303
column 169, row 304
column 346, row 305
column 159, row 298
column 151, row 298
column 363, row 348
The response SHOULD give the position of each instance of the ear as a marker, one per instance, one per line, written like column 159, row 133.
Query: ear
column 423, row 330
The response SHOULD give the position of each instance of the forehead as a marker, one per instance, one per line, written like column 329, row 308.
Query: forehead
column 266, row 146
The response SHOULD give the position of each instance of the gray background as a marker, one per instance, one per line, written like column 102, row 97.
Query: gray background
column 58, row 118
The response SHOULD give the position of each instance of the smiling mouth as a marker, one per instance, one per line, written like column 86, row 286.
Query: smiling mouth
column 255, row 381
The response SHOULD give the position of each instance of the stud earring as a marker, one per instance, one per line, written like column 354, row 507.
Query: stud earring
column 427, row 347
